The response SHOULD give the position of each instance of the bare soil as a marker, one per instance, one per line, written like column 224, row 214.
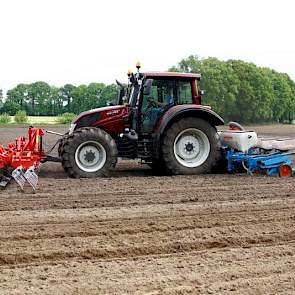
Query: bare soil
column 134, row 233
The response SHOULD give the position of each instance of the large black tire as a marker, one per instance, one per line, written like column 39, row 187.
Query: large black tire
column 191, row 137
column 62, row 141
column 93, row 143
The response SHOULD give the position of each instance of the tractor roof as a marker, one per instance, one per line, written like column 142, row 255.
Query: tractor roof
column 173, row 75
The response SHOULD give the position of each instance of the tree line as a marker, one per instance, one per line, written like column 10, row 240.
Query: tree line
column 242, row 91
column 235, row 89
column 41, row 99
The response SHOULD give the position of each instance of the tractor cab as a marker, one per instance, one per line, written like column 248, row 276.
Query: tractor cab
column 152, row 94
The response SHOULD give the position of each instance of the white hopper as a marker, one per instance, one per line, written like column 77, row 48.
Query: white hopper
column 238, row 139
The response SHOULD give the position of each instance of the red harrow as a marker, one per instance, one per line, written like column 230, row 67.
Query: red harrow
column 21, row 159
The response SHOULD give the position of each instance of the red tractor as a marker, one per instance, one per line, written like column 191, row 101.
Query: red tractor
column 158, row 119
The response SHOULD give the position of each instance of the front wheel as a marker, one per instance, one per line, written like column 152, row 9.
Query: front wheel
column 190, row 146
column 88, row 152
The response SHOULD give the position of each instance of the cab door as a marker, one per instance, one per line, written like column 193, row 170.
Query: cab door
column 162, row 97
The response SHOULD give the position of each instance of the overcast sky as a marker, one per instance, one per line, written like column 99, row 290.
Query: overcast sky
column 83, row 41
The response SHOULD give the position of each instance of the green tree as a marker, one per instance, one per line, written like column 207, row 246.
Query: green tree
column 66, row 95
column 241, row 91
column 19, row 95
column 1, row 99
column 55, row 102
column 41, row 100
column 93, row 95
column 221, row 86
column 290, row 111
column 218, row 80
column 255, row 93
column 109, row 95
column 79, row 98
column 282, row 91
column 10, row 107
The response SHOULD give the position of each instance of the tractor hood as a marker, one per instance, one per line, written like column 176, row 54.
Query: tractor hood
column 97, row 111
column 101, row 117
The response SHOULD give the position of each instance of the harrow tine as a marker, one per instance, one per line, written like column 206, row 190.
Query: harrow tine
column 32, row 178
column 19, row 177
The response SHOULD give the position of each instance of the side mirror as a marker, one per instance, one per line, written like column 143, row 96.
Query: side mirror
column 147, row 87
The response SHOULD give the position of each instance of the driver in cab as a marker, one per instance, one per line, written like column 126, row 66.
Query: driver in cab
column 156, row 108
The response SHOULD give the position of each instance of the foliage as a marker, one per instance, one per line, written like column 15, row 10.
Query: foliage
column 235, row 89
column 241, row 91
column 65, row 118
column 40, row 99
column 66, row 95
column 1, row 98
column 10, row 107
column 21, row 117
column 5, row 118
column 109, row 95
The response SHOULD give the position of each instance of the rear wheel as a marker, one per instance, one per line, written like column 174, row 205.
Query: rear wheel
column 190, row 146
column 88, row 152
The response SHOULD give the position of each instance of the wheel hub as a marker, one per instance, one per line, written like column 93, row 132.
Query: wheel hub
column 191, row 147
column 188, row 147
column 90, row 156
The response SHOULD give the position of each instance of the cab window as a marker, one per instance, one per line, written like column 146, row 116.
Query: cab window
column 162, row 93
column 184, row 92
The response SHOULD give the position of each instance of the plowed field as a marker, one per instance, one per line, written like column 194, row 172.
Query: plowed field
column 134, row 233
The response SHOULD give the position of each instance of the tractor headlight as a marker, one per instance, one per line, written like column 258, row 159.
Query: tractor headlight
column 72, row 128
